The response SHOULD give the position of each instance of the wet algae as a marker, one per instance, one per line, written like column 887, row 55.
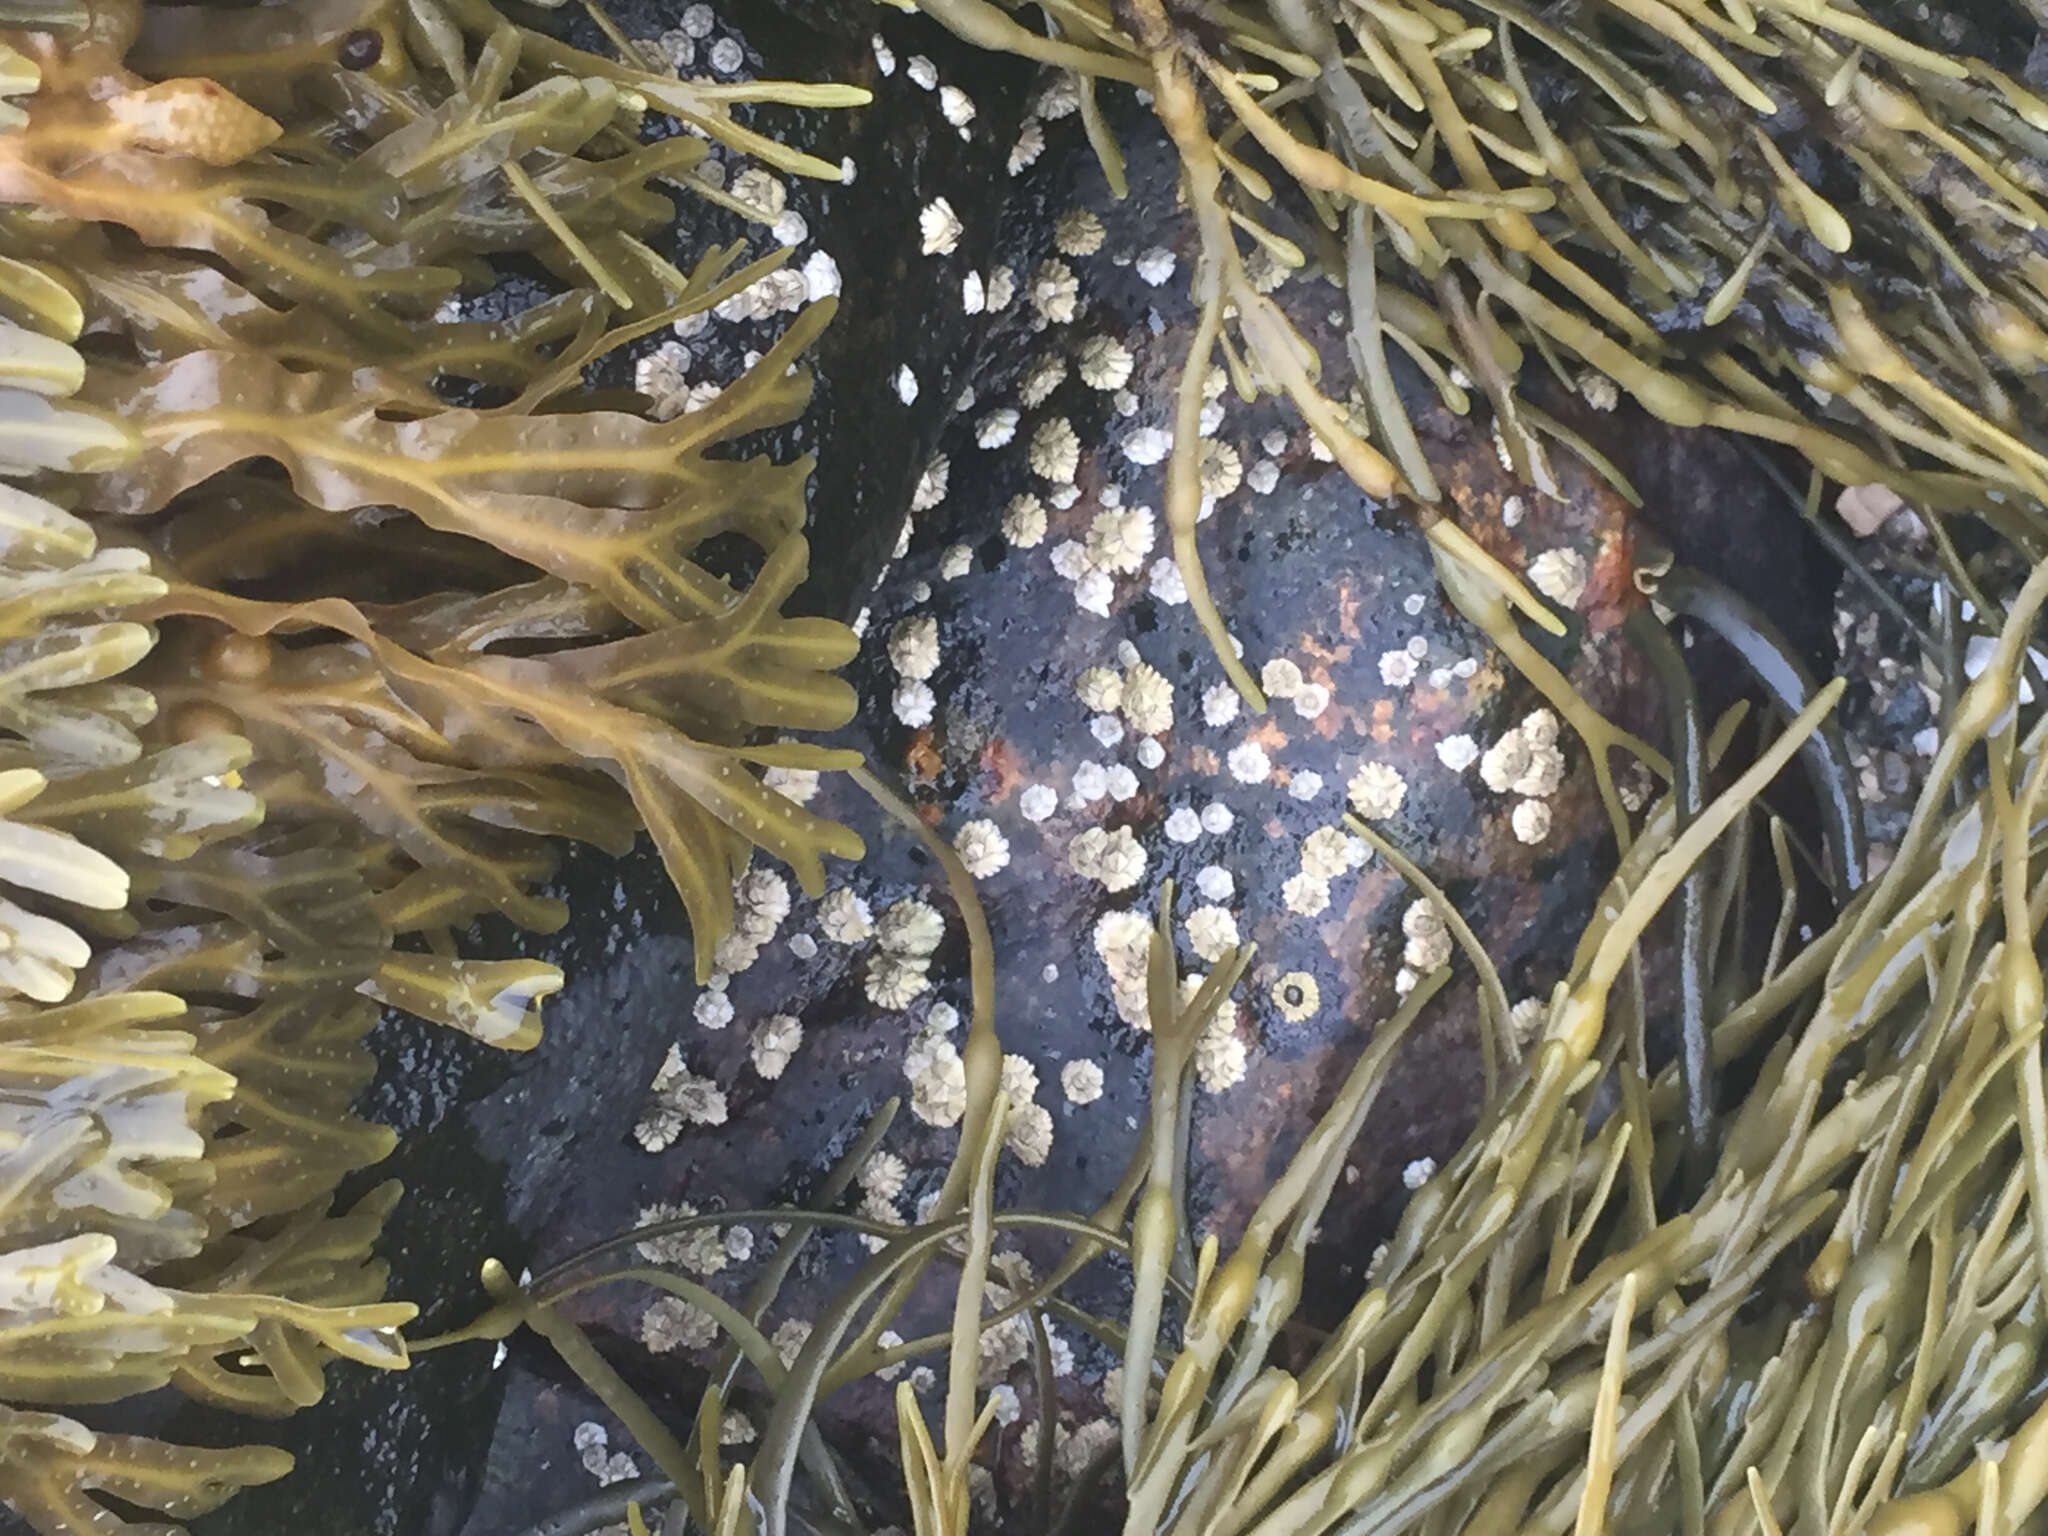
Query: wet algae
column 330, row 610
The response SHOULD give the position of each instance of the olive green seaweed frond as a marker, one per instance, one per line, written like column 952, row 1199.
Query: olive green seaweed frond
column 1797, row 221
column 304, row 666
column 1836, row 1329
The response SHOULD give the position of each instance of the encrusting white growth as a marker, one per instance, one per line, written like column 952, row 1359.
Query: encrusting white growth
column 1560, row 575
column 773, row 1042
column 1326, row 853
column 1530, row 820
column 1306, row 894
column 1122, row 940
column 898, row 973
column 1220, row 704
column 797, row 784
column 1222, row 470
column 938, row 1079
column 1147, row 699
column 671, row 1323
column 1211, row 931
column 1029, row 1134
column 1024, row 521
column 789, row 1338
column 1148, row 445
column 1155, row 266
column 1526, row 760
column 930, row 489
column 1397, row 668
column 997, row 428
column 1055, row 450
column 1041, row 376
column 1183, row 826
column 1029, row 146
column 1077, row 232
column 1167, row 584
column 1219, row 1052
column 662, row 376
column 1297, row 996
column 1280, row 678
column 1093, row 593
column 713, row 1010
column 1105, row 363
column 1457, row 753
column 762, row 191
column 913, row 703
column 678, row 1098
column 701, row 1249
column 911, row 927
column 896, row 981
column 938, row 228
column 1081, row 1081
column 1101, row 689
column 956, row 561
column 1119, row 539
column 884, row 1174
column 906, row 385
column 1248, row 763
column 1428, row 938
column 1114, row 859
column 1055, row 291
column 1417, row 1173
column 821, row 276
column 956, row 106
column 914, row 647
column 1376, row 791
column 1216, row 818
column 982, row 848
column 843, row 917
column 1215, row 883
column 1038, row 802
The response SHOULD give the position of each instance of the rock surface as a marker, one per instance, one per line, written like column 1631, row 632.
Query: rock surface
column 983, row 720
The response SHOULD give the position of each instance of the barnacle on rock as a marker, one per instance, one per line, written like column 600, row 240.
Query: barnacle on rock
column 1799, row 222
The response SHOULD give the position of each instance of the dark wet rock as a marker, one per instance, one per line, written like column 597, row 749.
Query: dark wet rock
column 1311, row 572
column 536, row 1159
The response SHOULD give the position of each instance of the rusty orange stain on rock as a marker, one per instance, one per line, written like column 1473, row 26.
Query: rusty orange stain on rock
column 1000, row 761
column 1610, row 587
column 1382, row 729
column 922, row 757
column 1267, row 733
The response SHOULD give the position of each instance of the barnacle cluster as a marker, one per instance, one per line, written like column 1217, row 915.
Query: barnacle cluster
column 323, row 610
column 1836, row 1328
column 1785, row 218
